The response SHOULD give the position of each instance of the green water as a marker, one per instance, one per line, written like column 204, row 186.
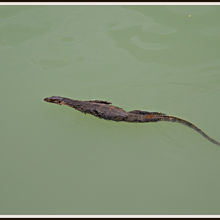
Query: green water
column 55, row 160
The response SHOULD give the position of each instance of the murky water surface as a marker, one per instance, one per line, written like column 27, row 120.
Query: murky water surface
column 55, row 160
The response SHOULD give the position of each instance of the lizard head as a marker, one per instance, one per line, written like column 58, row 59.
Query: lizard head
column 54, row 99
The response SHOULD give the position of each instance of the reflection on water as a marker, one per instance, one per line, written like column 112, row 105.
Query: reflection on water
column 55, row 160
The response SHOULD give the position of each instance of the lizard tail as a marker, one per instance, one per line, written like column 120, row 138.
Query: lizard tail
column 189, row 124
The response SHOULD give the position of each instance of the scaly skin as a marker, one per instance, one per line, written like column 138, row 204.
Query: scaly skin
column 105, row 110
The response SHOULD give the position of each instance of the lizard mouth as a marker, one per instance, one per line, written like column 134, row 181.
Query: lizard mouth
column 46, row 99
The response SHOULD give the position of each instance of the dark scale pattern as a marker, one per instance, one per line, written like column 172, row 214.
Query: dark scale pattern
column 105, row 110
